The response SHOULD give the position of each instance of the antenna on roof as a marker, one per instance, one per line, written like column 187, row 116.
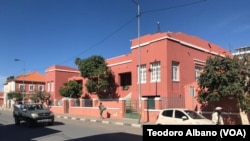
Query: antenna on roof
column 158, row 27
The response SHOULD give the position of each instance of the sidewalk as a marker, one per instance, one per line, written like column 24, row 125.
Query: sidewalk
column 121, row 122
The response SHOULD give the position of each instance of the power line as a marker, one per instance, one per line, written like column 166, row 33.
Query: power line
column 124, row 25
column 93, row 46
column 101, row 41
column 173, row 7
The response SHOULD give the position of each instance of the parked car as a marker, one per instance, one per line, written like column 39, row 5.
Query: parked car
column 33, row 114
column 182, row 116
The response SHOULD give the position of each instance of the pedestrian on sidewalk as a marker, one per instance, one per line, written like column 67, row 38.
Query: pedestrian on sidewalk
column 216, row 116
column 102, row 108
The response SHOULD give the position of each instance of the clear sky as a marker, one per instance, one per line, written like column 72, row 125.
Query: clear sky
column 42, row 33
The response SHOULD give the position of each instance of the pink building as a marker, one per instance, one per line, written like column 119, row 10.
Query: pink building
column 56, row 76
column 170, row 64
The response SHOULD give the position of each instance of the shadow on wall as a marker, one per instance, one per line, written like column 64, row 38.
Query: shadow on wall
column 108, row 115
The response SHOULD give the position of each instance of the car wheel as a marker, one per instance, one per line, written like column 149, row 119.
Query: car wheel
column 29, row 123
column 17, row 121
column 51, row 123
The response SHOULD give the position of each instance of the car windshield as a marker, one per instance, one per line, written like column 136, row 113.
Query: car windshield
column 194, row 115
column 35, row 107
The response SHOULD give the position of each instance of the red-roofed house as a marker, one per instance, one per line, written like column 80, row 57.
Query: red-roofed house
column 31, row 82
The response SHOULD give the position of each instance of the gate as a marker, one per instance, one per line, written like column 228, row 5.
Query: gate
column 132, row 109
column 66, row 106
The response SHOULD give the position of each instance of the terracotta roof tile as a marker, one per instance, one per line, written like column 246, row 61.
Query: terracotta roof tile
column 33, row 76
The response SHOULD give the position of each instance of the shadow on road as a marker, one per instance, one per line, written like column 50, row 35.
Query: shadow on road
column 21, row 132
column 111, row 137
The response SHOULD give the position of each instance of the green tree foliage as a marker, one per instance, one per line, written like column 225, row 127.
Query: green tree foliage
column 224, row 76
column 71, row 89
column 99, row 77
column 18, row 96
column 40, row 96
column 10, row 78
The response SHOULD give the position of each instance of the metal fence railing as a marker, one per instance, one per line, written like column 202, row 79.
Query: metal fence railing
column 173, row 102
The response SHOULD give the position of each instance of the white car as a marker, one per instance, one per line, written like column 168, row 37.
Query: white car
column 182, row 116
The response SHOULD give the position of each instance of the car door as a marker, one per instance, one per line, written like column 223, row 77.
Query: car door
column 178, row 118
column 166, row 117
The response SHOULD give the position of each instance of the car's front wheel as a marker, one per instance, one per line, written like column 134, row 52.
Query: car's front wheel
column 17, row 121
column 30, row 123
column 51, row 123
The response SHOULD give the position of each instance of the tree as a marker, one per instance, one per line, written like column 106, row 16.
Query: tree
column 10, row 78
column 99, row 77
column 41, row 96
column 71, row 89
column 224, row 76
column 17, row 95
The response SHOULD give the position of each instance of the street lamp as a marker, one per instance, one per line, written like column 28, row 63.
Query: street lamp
column 23, row 78
column 139, row 57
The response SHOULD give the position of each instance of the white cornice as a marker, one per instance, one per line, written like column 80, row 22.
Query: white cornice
column 115, row 64
column 181, row 42
column 62, row 70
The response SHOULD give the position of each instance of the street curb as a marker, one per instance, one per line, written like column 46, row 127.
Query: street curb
column 100, row 121
column 103, row 121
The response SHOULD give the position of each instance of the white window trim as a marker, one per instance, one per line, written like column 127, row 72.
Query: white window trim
column 175, row 71
column 197, row 71
column 42, row 88
column 31, row 85
column 52, row 86
column 21, row 85
column 155, row 72
column 48, row 86
column 143, row 74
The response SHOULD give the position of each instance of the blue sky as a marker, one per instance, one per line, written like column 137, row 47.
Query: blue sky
column 43, row 33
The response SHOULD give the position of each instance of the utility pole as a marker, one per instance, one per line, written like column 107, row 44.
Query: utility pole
column 23, row 93
column 139, row 60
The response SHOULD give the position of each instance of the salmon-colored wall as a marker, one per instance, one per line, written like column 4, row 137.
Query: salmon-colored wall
column 119, row 65
column 58, row 75
column 163, row 47
column 115, row 109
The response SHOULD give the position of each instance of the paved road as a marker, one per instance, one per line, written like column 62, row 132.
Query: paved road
column 66, row 130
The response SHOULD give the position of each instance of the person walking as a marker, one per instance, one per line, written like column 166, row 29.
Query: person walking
column 102, row 108
column 216, row 116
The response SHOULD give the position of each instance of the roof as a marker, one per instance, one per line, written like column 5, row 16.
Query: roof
column 61, row 68
column 33, row 76
column 183, row 39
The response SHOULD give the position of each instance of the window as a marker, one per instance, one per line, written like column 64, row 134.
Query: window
column 155, row 69
column 175, row 71
column 52, row 87
column 31, row 87
column 22, row 87
column 179, row 114
column 191, row 91
column 125, row 80
column 40, row 88
column 48, row 84
column 142, row 74
column 197, row 72
column 167, row 113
